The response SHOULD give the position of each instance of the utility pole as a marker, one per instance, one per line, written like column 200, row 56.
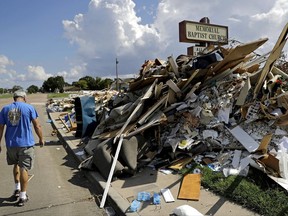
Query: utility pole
column 117, row 80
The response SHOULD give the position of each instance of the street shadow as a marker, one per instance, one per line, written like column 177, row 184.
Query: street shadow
column 69, row 161
column 146, row 176
column 50, row 143
column 8, row 201
column 78, row 178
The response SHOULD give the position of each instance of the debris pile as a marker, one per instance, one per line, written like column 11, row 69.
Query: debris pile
column 226, row 108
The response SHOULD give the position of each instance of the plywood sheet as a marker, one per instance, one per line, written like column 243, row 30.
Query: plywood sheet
column 190, row 187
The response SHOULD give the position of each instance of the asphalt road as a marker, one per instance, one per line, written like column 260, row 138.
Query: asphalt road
column 56, row 186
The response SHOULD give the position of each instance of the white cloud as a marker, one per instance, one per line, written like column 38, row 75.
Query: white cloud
column 277, row 13
column 112, row 29
column 36, row 73
column 4, row 62
column 7, row 74
column 109, row 27
column 74, row 73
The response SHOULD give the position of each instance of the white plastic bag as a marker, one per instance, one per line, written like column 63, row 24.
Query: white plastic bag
column 186, row 210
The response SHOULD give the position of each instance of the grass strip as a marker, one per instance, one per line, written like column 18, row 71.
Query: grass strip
column 256, row 191
column 58, row 95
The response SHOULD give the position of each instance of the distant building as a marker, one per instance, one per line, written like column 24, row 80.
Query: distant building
column 122, row 84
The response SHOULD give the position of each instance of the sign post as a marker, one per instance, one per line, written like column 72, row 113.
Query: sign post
column 203, row 33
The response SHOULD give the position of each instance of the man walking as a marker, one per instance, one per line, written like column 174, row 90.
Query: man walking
column 19, row 139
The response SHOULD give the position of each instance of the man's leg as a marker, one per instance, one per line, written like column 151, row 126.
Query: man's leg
column 16, row 174
column 26, row 156
column 23, row 179
column 24, row 182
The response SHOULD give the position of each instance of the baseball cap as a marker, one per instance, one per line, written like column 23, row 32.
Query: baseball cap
column 19, row 94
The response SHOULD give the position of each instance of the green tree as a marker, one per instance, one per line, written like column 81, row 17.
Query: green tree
column 16, row 88
column 53, row 83
column 3, row 90
column 107, row 83
column 82, row 84
column 32, row 89
column 91, row 84
column 102, row 84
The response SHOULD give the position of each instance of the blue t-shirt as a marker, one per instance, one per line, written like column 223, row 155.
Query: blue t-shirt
column 17, row 117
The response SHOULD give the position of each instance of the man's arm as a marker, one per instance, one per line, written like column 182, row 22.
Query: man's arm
column 1, row 134
column 38, row 130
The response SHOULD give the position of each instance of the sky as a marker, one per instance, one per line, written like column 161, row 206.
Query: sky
column 76, row 38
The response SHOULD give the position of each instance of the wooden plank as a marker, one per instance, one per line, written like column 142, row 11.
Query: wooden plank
column 274, row 55
column 193, row 75
column 173, row 86
column 156, row 119
column 190, row 187
column 143, row 82
column 173, row 65
column 150, row 111
column 181, row 163
column 111, row 134
column 263, row 147
column 237, row 53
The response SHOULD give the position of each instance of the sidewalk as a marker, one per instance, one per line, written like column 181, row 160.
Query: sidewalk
column 123, row 191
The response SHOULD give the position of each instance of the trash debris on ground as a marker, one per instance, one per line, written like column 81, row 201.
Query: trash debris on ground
column 226, row 108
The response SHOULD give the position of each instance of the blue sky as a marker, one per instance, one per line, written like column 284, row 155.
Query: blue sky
column 77, row 38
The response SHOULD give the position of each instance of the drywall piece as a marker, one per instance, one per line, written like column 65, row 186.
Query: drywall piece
column 224, row 113
column 168, row 197
column 190, row 187
column 243, row 93
column 244, row 138
column 236, row 158
column 283, row 157
column 245, row 162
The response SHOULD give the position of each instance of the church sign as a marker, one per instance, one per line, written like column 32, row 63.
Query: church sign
column 192, row 32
